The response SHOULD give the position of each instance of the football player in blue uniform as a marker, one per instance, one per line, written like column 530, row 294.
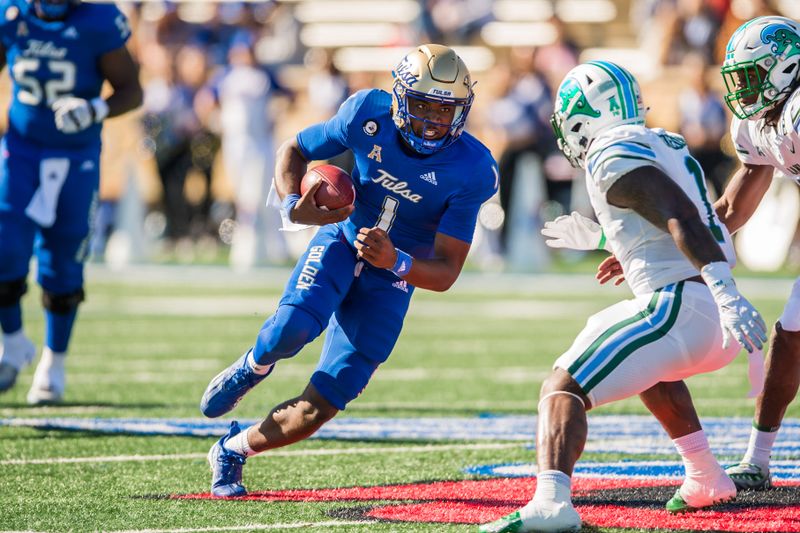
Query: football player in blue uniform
column 59, row 53
column 420, row 181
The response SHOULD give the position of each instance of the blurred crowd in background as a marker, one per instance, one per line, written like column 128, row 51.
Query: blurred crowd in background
column 186, row 179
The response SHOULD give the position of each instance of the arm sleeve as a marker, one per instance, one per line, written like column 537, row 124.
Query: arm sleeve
column 330, row 138
column 461, row 215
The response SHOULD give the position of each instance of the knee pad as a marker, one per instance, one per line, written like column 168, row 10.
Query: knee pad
column 285, row 334
column 11, row 292
column 62, row 304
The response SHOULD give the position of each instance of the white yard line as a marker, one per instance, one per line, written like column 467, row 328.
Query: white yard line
column 250, row 527
column 286, row 453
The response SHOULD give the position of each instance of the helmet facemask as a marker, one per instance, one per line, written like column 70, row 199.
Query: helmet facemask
column 762, row 66
column 436, row 75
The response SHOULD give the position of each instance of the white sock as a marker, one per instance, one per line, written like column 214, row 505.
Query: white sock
column 696, row 454
column 14, row 347
column 552, row 486
column 759, row 448
column 52, row 359
column 258, row 369
column 239, row 444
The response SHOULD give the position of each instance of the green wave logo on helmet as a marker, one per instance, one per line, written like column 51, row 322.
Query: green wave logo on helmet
column 571, row 90
column 786, row 43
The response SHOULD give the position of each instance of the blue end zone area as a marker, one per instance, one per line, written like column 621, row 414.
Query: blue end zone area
column 780, row 470
column 612, row 434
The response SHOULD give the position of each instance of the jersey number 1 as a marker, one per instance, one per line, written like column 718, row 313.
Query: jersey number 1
column 694, row 169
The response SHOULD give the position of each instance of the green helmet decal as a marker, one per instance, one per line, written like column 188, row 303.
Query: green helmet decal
column 785, row 42
column 571, row 92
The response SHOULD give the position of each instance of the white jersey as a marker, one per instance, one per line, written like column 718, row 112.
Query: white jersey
column 649, row 257
column 776, row 145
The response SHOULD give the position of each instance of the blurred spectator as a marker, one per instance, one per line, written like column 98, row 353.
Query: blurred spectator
column 327, row 88
column 687, row 26
column 555, row 59
column 245, row 92
column 704, row 123
column 520, row 116
column 453, row 21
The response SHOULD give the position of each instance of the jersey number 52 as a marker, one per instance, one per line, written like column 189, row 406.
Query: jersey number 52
column 31, row 89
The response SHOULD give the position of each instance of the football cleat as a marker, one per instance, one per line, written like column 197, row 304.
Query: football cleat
column 226, row 467
column 229, row 387
column 539, row 517
column 696, row 494
column 747, row 476
column 49, row 381
column 14, row 357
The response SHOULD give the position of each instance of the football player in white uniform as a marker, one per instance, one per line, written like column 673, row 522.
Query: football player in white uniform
column 762, row 76
column 649, row 196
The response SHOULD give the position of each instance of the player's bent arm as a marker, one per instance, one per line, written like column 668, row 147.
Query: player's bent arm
column 437, row 273
column 122, row 72
column 290, row 167
column 653, row 195
column 442, row 270
column 744, row 192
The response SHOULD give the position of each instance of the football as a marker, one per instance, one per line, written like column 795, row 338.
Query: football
column 337, row 190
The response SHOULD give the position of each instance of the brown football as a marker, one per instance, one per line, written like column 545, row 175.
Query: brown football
column 337, row 190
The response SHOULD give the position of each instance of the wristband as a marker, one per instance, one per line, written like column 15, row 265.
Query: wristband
column 288, row 204
column 99, row 109
column 403, row 264
column 602, row 244
column 717, row 276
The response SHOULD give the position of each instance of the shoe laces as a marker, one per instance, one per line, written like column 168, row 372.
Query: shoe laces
column 240, row 378
column 230, row 467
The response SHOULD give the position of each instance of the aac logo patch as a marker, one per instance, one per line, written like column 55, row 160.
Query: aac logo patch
column 370, row 127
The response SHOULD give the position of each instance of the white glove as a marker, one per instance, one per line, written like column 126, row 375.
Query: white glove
column 737, row 316
column 73, row 114
column 575, row 231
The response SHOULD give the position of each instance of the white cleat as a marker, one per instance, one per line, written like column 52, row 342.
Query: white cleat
column 17, row 353
column 539, row 517
column 696, row 494
column 49, row 380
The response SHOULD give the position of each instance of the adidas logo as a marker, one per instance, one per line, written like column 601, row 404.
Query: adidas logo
column 70, row 33
column 430, row 177
column 402, row 285
column 87, row 165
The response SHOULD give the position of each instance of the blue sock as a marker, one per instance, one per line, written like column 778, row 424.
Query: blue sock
column 58, row 328
column 11, row 318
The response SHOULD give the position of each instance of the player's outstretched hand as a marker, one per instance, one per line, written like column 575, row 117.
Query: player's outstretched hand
column 737, row 316
column 574, row 231
column 609, row 269
column 306, row 210
column 76, row 114
column 375, row 247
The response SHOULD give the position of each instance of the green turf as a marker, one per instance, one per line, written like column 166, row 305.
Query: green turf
column 148, row 349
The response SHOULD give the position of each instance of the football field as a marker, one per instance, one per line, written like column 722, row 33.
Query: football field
column 440, row 440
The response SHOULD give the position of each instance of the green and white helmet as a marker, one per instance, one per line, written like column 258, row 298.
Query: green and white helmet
column 593, row 98
column 762, row 65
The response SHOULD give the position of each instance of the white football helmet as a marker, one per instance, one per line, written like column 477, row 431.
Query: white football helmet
column 593, row 98
column 433, row 73
column 762, row 64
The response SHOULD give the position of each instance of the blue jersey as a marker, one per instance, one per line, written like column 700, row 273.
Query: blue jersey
column 49, row 60
column 410, row 196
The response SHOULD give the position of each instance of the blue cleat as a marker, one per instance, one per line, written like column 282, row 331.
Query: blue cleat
column 226, row 467
column 230, row 386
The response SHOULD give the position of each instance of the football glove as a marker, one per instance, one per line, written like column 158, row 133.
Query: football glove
column 738, row 318
column 73, row 115
column 576, row 232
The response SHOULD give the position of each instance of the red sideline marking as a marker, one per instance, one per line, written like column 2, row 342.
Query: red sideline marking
column 484, row 500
